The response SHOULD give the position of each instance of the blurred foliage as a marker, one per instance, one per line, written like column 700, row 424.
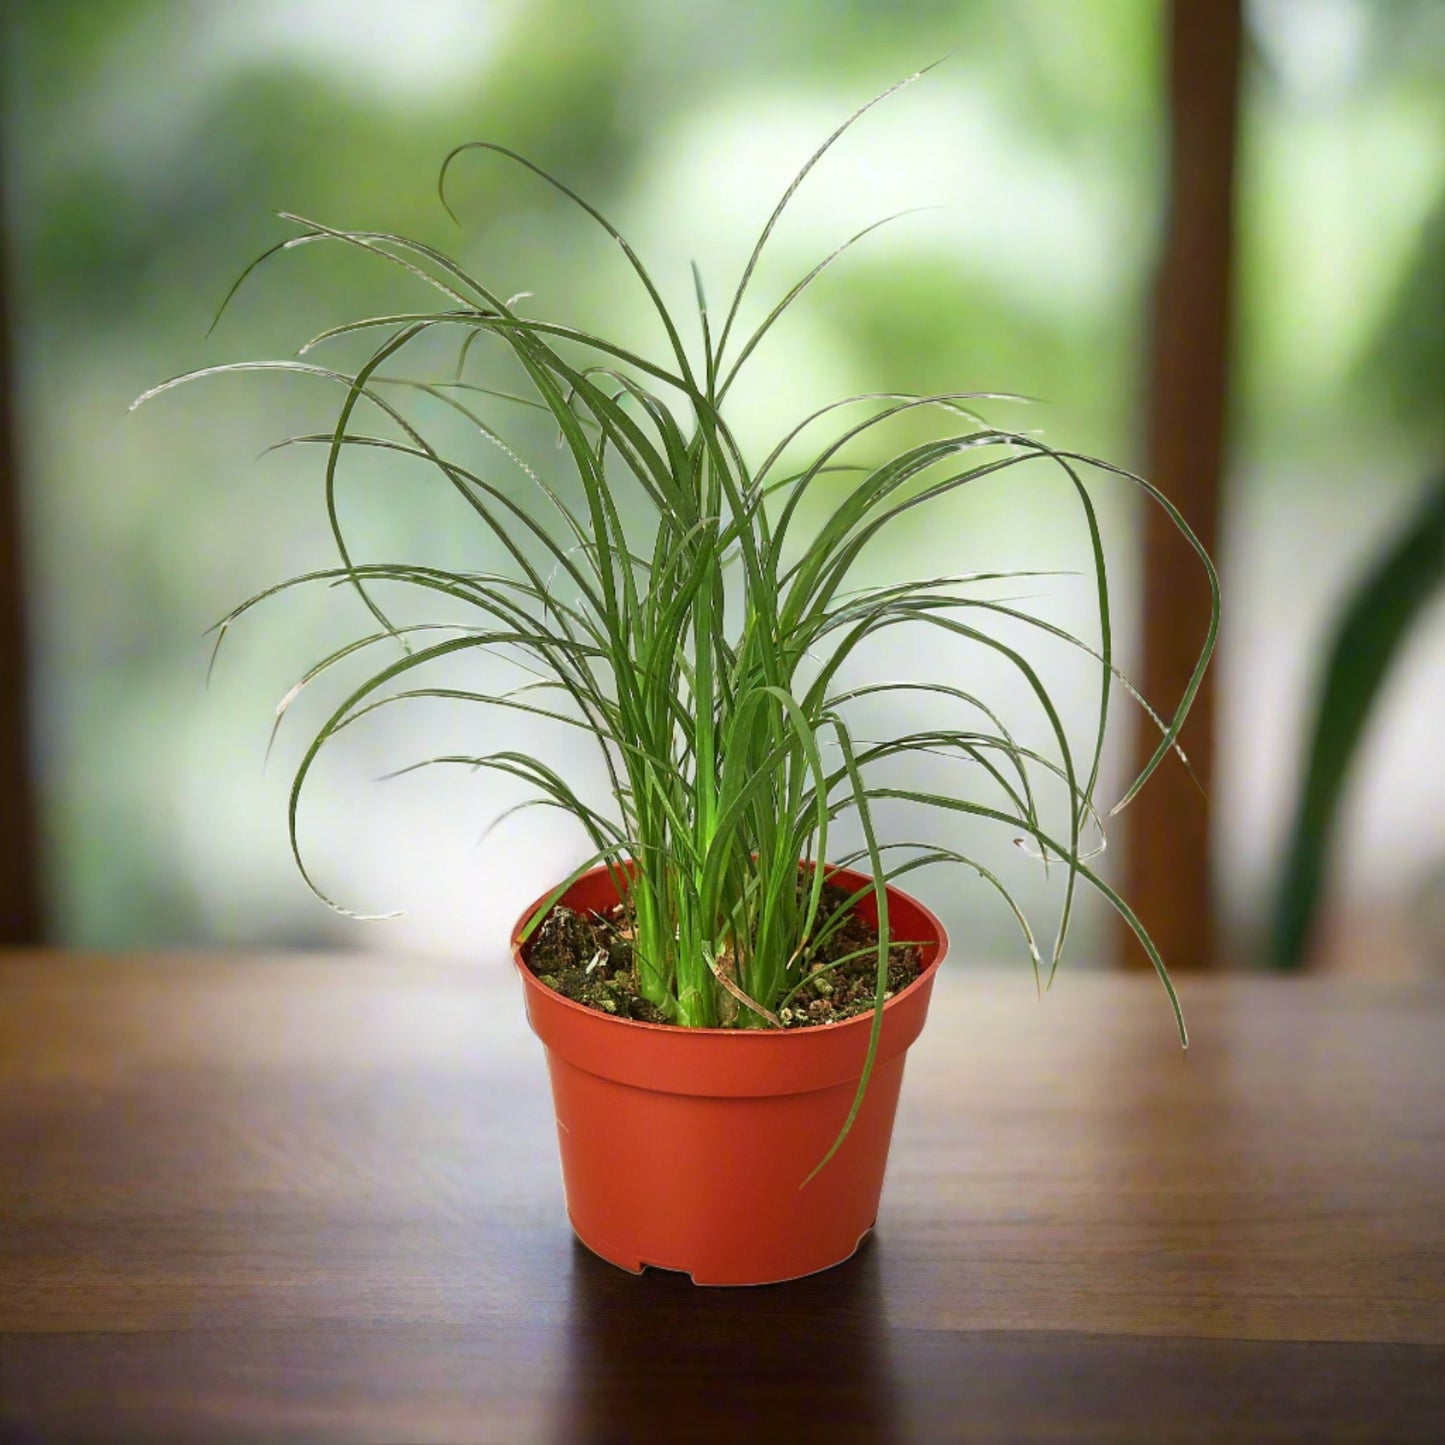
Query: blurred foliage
column 149, row 143
column 1374, row 625
column 1403, row 373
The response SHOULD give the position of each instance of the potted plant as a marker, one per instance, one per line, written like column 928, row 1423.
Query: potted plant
column 724, row 1001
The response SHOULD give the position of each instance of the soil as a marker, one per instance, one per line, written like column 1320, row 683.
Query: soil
column 588, row 958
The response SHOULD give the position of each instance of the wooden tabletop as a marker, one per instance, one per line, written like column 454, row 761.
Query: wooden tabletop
column 316, row 1198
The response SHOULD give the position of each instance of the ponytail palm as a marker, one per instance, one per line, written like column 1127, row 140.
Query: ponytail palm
column 702, row 649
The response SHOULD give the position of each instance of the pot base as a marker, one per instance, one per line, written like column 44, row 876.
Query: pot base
column 621, row 1259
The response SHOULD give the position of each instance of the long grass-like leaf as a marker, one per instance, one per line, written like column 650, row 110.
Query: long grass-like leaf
column 698, row 614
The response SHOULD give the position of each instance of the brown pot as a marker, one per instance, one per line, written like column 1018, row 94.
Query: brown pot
column 686, row 1148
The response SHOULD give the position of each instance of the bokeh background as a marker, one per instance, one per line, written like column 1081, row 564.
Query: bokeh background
column 148, row 145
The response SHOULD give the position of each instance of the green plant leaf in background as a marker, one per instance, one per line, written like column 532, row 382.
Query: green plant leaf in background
column 1375, row 621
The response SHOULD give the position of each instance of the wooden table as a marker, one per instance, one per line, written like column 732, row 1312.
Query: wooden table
column 316, row 1198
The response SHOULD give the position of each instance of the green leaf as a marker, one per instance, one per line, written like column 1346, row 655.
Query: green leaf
column 684, row 608
column 1372, row 628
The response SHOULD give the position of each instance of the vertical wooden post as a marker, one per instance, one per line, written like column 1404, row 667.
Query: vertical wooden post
column 20, row 911
column 1168, row 868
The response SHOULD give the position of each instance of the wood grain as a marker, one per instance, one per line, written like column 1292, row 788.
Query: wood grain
column 315, row 1199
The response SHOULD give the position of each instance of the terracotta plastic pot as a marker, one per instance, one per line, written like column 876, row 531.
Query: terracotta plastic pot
column 685, row 1148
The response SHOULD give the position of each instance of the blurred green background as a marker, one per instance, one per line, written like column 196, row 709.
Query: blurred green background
column 148, row 144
